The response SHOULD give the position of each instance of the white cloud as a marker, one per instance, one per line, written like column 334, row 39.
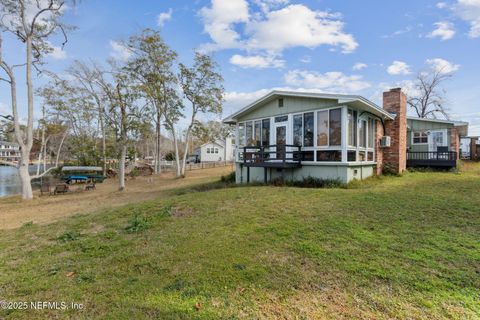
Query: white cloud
column 407, row 29
column 119, row 51
column 163, row 17
column 57, row 52
column 298, row 25
column 256, row 61
column 267, row 5
column 219, row 22
column 469, row 11
column 442, row 65
column 441, row 5
column 329, row 81
column 230, row 25
column 359, row 66
column 444, row 30
column 399, row 68
column 3, row 109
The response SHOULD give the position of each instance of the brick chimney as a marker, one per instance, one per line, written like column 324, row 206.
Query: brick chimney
column 395, row 157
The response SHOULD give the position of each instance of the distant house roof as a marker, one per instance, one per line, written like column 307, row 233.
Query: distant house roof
column 462, row 126
column 203, row 145
column 356, row 100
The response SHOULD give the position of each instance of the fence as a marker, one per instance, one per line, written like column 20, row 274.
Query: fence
column 172, row 165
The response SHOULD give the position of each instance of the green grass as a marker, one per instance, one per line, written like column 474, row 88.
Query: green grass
column 389, row 247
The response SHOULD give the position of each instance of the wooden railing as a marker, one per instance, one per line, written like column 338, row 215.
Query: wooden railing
column 283, row 153
column 432, row 155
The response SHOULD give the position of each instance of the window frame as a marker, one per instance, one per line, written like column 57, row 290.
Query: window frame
column 425, row 132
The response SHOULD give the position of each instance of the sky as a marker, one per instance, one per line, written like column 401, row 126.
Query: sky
column 349, row 46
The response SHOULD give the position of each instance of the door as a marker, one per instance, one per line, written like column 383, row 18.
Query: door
column 280, row 140
column 436, row 138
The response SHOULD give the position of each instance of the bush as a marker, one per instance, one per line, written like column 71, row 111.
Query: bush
column 68, row 236
column 309, row 182
column 229, row 178
column 137, row 224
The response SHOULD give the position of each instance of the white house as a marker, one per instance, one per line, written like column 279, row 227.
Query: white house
column 9, row 151
column 293, row 135
column 216, row 151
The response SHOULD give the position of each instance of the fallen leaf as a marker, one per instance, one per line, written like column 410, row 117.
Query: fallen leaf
column 198, row 306
column 70, row 274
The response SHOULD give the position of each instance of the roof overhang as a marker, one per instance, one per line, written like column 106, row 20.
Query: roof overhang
column 352, row 100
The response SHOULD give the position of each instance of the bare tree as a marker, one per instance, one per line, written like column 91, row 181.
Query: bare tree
column 428, row 98
column 31, row 22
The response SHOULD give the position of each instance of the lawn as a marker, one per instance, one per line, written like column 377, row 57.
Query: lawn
column 390, row 247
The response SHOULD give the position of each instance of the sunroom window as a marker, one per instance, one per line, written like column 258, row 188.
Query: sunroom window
column 352, row 128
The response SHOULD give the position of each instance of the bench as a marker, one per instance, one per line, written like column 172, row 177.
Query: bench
column 90, row 187
column 45, row 188
column 61, row 188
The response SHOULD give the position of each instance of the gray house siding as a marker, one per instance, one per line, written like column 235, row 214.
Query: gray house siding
column 419, row 125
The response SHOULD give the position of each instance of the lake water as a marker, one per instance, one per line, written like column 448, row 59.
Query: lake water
column 10, row 180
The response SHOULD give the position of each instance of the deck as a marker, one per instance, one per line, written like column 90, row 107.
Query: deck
column 445, row 159
column 272, row 156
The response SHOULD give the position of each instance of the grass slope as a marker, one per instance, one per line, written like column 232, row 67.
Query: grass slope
column 391, row 247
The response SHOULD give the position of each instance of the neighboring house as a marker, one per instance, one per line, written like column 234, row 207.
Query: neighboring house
column 9, row 151
column 216, row 151
column 292, row 135
column 470, row 148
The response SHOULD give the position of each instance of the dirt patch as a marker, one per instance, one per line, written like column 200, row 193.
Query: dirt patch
column 43, row 210
column 181, row 212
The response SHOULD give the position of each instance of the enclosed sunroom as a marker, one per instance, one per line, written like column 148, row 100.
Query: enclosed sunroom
column 293, row 135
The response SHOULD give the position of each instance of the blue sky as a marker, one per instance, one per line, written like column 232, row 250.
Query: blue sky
column 350, row 46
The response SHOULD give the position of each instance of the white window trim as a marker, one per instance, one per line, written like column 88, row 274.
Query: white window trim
column 420, row 143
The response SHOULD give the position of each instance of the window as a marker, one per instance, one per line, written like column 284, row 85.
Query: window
column 330, row 155
column 257, row 133
column 308, row 129
column 362, row 133
column 249, row 132
column 216, row 150
column 280, row 103
column 371, row 132
column 322, row 128
column 208, row 150
column 352, row 156
column 352, row 128
column 241, row 134
column 362, row 156
column 420, row 137
column 297, row 129
column 335, row 123
column 281, row 119
column 265, row 132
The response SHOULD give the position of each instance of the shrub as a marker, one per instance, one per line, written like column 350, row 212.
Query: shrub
column 309, row 182
column 137, row 224
column 68, row 236
column 229, row 178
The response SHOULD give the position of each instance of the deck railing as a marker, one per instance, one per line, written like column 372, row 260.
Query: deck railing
column 283, row 153
column 432, row 155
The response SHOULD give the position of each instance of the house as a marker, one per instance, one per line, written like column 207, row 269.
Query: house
column 292, row 135
column 9, row 151
column 216, row 151
column 470, row 148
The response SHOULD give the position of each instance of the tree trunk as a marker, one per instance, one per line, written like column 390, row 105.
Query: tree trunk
column 157, row 145
column 184, row 161
column 104, row 144
column 177, row 156
column 27, row 192
column 121, row 168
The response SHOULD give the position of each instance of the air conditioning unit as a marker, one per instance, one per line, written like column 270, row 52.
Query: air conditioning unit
column 385, row 142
